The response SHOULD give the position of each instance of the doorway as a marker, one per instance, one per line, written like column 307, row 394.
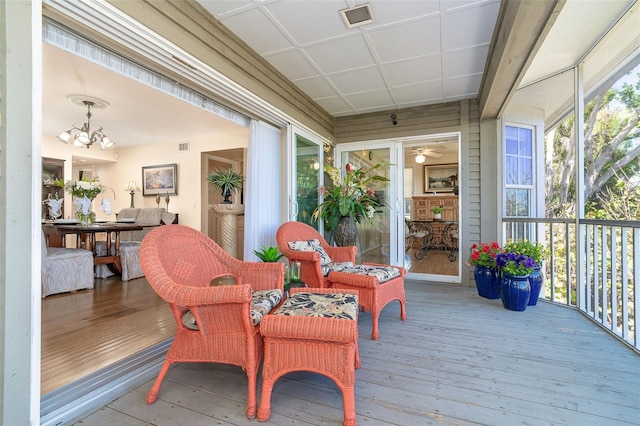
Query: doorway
column 423, row 174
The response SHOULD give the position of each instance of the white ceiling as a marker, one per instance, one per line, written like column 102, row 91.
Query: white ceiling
column 414, row 53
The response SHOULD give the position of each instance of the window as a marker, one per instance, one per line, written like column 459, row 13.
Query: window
column 519, row 171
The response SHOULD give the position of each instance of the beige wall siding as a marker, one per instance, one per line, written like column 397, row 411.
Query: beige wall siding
column 472, row 193
column 411, row 122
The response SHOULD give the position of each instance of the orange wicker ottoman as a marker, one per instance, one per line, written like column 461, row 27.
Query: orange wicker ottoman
column 314, row 330
column 376, row 284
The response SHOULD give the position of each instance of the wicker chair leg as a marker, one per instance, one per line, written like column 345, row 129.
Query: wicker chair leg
column 403, row 312
column 264, row 412
column 374, row 319
column 349, row 403
column 252, row 404
column 153, row 393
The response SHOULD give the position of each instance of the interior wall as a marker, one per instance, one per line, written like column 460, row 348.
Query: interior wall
column 125, row 164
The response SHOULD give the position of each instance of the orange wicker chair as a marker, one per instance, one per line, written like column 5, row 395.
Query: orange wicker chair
column 180, row 263
column 373, row 294
column 311, row 268
column 299, row 337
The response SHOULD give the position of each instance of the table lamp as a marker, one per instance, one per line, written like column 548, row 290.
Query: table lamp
column 132, row 188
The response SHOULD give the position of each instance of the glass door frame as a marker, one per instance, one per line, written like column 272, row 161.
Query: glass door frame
column 293, row 132
column 396, row 196
column 394, row 200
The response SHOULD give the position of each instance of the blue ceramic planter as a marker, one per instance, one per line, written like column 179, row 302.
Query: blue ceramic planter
column 535, row 281
column 487, row 282
column 515, row 292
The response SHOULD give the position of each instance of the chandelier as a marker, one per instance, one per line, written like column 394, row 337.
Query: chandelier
column 83, row 136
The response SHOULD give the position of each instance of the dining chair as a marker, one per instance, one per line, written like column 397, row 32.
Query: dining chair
column 65, row 269
column 216, row 322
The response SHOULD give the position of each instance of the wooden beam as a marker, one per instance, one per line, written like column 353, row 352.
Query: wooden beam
column 521, row 28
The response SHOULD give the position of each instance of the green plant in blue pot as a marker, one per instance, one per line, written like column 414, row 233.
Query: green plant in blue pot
column 515, row 289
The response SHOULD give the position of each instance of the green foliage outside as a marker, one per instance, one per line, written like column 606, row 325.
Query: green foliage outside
column 611, row 158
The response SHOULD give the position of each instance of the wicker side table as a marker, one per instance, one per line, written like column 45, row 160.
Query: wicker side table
column 302, row 339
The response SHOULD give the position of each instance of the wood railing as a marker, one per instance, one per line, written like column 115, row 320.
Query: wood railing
column 593, row 265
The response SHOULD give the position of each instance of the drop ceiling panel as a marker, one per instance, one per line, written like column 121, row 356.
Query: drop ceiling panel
column 469, row 27
column 265, row 37
column 328, row 55
column 462, row 87
column 371, row 100
column 391, row 44
column 292, row 64
column 464, row 62
column 426, row 68
column 316, row 87
column 362, row 80
column 425, row 92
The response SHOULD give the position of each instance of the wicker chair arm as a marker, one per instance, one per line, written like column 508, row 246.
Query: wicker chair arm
column 182, row 295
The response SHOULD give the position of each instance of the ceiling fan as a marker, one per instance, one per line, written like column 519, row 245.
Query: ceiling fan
column 421, row 154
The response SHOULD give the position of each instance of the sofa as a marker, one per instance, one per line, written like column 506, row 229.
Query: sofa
column 149, row 218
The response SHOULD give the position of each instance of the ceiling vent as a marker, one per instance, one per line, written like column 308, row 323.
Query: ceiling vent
column 183, row 146
column 356, row 16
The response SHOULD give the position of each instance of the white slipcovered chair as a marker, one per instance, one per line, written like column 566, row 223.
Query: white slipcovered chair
column 65, row 269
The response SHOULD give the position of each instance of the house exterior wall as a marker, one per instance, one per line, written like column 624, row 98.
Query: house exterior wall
column 463, row 117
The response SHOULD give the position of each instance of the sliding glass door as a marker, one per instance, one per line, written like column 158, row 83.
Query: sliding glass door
column 375, row 237
column 306, row 159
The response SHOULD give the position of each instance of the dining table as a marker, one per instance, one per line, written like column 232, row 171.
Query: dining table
column 86, row 237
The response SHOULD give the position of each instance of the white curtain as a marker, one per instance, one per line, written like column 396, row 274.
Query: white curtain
column 262, row 215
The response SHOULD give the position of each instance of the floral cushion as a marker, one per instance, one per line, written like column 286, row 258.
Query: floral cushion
column 311, row 245
column 382, row 273
column 335, row 266
column 336, row 305
column 262, row 302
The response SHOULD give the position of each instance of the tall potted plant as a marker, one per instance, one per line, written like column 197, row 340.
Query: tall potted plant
column 349, row 200
column 227, row 181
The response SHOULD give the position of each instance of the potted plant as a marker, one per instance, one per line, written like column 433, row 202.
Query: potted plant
column 538, row 253
column 483, row 257
column 348, row 200
column 515, row 290
column 227, row 181
column 437, row 211
column 269, row 254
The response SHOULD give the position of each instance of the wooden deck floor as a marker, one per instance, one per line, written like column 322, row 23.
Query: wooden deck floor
column 458, row 360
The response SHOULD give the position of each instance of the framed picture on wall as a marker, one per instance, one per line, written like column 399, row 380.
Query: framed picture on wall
column 440, row 177
column 162, row 179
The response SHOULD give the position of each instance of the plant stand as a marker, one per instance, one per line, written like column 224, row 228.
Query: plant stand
column 229, row 226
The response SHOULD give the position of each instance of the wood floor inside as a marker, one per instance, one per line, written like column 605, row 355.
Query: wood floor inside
column 86, row 330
